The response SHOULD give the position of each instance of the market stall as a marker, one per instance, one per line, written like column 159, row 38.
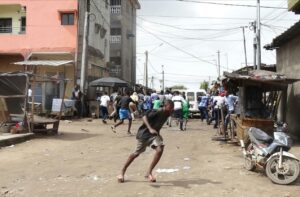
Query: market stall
column 262, row 100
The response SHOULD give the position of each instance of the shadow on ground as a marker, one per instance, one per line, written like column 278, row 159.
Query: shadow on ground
column 69, row 136
column 184, row 183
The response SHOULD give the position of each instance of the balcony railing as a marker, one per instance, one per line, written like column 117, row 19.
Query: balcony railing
column 115, row 39
column 13, row 30
column 116, row 9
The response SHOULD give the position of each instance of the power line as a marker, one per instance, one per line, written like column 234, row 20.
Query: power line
column 205, row 17
column 230, row 4
column 187, row 29
column 179, row 49
column 211, row 36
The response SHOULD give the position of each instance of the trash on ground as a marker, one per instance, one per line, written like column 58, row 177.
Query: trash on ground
column 186, row 167
column 166, row 170
column 85, row 130
column 186, row 159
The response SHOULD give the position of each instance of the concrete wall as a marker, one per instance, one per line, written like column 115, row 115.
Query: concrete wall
column 288, row 63
column 127, row 22
column 44, row 31
column 98, row 52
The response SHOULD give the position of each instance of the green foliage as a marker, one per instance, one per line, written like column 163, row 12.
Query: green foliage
column 204, row 85
column 178, row 87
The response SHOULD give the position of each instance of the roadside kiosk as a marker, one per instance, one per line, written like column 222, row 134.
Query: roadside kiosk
column 262, row 101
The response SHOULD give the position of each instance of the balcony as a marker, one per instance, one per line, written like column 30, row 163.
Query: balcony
column 116, row 9
column 115, row 39
column 294, row 5
column 13, row 19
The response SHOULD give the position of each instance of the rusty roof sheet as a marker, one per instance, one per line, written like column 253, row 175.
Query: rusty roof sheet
column 261, row 76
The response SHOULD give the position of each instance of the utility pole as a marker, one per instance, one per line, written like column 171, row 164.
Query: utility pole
column 245, row 50
column 84, row 52
column 258, row 36
column 146, row 70
column 219, row 68
column 152, row 82
column 163, row 78
column 253, row 24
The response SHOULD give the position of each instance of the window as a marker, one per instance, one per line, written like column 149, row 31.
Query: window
column 5, row 25
column 67, row 19
column 115, row 2
column 115, row 31
column 23, row 24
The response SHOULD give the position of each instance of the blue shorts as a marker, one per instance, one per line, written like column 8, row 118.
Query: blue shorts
column 124, row 114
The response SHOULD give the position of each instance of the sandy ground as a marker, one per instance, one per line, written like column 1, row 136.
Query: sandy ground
column 86, row 162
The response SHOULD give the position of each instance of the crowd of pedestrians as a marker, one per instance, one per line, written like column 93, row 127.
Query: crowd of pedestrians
column 128, row 105
column 218, row 101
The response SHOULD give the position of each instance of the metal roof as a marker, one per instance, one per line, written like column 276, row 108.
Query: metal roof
column 44, row 62
column 286, row 36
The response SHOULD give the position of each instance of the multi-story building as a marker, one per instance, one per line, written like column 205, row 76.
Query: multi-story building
column 123, row 39
column 51, row 30
column 98, row 38
column 294, row 5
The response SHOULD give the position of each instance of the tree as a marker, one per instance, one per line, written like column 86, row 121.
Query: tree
column 178, row 87
column 204, row 85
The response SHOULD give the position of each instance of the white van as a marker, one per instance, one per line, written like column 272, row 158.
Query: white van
column 192, row 96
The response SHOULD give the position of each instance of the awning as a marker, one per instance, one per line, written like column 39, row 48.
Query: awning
column 44, row 62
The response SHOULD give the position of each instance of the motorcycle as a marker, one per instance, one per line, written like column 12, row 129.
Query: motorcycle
column 271, row 154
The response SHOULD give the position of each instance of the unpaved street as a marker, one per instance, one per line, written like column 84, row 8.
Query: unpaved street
column 86, row 162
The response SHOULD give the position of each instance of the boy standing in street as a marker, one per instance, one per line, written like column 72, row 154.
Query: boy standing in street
column 149, row 135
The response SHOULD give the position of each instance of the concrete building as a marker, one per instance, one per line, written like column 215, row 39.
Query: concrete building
column 39, row 30
column 287, row 47
column 98, row 38
column 123, row 39
column 51, row 30
column 294, row 5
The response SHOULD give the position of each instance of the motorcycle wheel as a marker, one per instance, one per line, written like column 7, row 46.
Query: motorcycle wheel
column 249, row 164
column 287, row 175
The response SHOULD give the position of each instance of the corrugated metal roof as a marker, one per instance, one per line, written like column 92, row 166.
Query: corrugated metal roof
column 286, row 36
column 44, row 62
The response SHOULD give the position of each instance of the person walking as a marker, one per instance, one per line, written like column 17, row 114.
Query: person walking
column 77, row 95
column 185, row 112
column 149, row 135
column 124, row 112
column 230, row 101
column 203, row 105
column 178, row 100
column 115, row 114
column 104, row 103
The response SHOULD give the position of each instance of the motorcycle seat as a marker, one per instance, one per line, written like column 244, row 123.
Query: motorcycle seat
column 260, row 135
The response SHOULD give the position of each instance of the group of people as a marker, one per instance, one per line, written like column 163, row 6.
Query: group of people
column 214, row 103
column 131, row 104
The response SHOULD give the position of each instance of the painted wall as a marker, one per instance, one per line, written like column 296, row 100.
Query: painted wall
column 44, row 31
column 288, row 63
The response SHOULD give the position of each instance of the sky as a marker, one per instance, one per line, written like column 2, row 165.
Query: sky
column 185, row 37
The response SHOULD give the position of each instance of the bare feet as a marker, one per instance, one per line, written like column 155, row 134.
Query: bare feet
column 121, row 179
column 150, row 178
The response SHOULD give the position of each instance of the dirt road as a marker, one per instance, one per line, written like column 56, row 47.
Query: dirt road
column 85, row 158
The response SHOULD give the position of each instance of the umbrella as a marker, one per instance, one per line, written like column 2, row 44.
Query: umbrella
column 109, row 82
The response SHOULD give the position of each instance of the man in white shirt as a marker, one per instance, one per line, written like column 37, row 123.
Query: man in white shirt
column 104, row 103
column 178, row 100
column 218, row 101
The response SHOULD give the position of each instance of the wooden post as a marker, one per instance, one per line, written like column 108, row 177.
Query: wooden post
column 33, row 94
column 62, row 99
column 26, row 104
